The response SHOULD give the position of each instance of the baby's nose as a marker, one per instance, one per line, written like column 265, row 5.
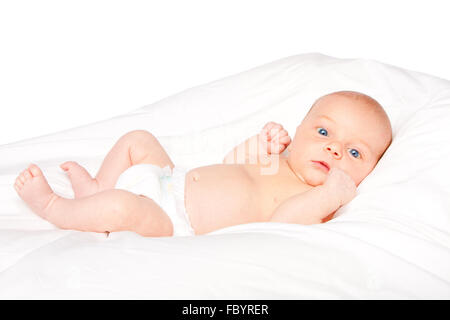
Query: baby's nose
column 335, row 151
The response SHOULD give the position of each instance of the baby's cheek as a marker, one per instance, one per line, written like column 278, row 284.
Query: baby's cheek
column 358, row 178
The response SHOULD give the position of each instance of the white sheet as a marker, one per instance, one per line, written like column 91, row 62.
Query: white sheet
column 391, row 241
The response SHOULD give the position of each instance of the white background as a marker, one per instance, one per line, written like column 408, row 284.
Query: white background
column 65, row 64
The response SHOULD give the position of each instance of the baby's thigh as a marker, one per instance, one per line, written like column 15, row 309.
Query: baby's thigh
column 145, row 148
column 139, row 214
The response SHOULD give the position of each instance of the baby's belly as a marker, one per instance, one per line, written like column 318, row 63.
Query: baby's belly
column 218, row 196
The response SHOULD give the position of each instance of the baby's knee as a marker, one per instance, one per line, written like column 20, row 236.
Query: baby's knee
column 140, row 143
column 140, row 136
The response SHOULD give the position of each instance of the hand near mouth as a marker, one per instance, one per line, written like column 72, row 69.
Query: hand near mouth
column 340, row 186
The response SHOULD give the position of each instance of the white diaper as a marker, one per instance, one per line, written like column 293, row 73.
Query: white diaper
column 164, row 186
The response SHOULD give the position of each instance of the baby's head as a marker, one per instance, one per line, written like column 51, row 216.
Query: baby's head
column 346, row 130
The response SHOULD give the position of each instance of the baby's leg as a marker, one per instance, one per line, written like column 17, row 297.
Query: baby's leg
column 106, row 211
column 134, row 147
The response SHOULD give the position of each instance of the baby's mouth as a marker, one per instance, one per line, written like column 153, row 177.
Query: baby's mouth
column 322, row 165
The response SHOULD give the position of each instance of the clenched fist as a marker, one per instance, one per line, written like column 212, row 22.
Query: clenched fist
column 340, row 186
column 274, row 138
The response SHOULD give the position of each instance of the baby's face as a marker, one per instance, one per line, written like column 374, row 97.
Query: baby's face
column 341, row 132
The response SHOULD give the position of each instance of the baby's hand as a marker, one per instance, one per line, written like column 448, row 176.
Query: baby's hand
column 274, row 137
column 340, row 186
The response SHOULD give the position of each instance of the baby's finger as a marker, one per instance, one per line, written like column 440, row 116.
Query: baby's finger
column 275, row 126
column 285, row 140
column 276, row 147
column 278, row 135
column 269, row 125
column 274, row 130
column 283, row 133
column 277, row 138
column 272, row 148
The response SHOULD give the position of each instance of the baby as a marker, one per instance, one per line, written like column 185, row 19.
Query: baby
column 335, row 147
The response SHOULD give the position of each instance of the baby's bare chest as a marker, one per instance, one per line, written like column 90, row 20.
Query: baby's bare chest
column 221, row 195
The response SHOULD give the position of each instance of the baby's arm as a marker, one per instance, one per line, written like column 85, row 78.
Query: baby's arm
column 314, row 205
column 273, row 139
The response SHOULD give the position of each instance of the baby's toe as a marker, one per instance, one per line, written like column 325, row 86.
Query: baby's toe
column 27, row 175
column 66, row 165
column 35, row 170
column 18, row 182
column 21, row 177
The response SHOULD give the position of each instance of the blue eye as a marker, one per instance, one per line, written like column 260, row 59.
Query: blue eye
column 322, row 131
column 354, row 153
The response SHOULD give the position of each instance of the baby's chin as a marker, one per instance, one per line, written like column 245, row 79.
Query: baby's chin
column 313, row 179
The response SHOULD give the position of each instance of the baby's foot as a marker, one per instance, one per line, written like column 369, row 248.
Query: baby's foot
column 34, row 189
column 83, row 184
